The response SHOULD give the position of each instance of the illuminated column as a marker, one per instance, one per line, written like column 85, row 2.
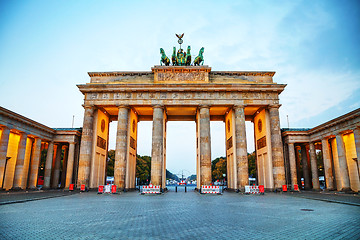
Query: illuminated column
column 276, row 147
column 292, row 160
column 64, row 165
column 35, row 160
column 357, row 145
column 70, row 164
column 343, row 169
column 86, row 147
column 157, row 145
column 314, row 167
column 327, row 164
column 241, row 148
column 56, row 174
column 305, row 167
column 205, row 146
column 121, row 147
column 48, row 165
column 20, row 160
column 4, row 141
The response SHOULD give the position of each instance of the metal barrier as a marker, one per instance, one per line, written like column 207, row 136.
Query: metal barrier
column 254, row 189
column 151, row 189
column 210, row 189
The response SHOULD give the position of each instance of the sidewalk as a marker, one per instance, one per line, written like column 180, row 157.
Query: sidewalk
column 26, row 196
column 335, row 197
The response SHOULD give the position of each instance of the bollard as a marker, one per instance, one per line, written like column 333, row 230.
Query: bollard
column 71, row 187
column 261, row 189
column 113, row 188
column 185, row 188
column 284, row 188
column 100, row 189
column 175, row 188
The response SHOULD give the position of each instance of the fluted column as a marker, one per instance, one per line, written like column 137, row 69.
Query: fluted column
column 314, row 167
column 86, row 147
column 35, row 160
column 292, row 160
column 205, row 145
column 70, row 164
column 4, row 142
column 48, row 165
column 357, row 146
column 241, row 148
column 343, row 168
column 157, row 156
column 20, row 161
column 305, row 167
column 121, row 147
column 328, row 170
column 276, row 147
column 56, row 173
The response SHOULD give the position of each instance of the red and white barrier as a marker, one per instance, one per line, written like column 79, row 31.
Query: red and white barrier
column 210, row 189
column 100, row 189
column 254, row 189
column 151, row 189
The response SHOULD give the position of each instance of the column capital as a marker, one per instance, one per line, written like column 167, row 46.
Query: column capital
column 239, row 106
column 274, row 106
column 122, row 106
column 204, row 106
column 158, row 106
column 4, row 127
column 88, row 106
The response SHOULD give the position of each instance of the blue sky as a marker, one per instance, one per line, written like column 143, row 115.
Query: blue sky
column 47, row 47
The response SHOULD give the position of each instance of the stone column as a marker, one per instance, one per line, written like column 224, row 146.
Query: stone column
column 357, row 146
column 34, row 166
column 4, row 142
column 70, row 165
column 292, row 160
column 157, row 145
column 241, row 148
column 305, row 167
column 314, row 167
column 64, row 166
column 48, row 165
column 20, row 160
column 56, row 174
column 343, row 168
column 276, row 147
column 327, row 164
column 205, row 145
column 86, row 147
column 121, row 147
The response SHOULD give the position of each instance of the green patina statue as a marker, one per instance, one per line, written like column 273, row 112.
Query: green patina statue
column 164, row 59
column 174, row 58
column 199, row 59
column 181, row 58
column 188, row 56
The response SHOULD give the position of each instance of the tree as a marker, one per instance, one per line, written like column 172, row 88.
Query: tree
column 218, row 168
column 252, row 164
column 143, row 169
column 110, row 163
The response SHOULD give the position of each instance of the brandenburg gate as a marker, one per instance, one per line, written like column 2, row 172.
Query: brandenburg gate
column 181, row 93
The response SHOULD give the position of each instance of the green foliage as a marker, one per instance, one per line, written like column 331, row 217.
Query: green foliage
column 110, row 163
column 170, row 175
column 192, row 177
column 143, row 169
column 218, row 168
column 252, row 164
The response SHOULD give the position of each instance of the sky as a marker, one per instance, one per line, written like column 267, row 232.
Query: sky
column 47, row 48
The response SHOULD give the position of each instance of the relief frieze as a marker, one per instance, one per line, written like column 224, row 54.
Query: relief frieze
column 146, row 95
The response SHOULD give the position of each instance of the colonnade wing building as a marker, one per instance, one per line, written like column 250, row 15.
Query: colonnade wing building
column 179, row 93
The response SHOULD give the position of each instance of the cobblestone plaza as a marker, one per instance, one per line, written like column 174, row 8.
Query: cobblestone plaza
column 180, row 216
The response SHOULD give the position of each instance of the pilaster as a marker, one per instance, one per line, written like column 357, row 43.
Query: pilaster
column 343, row 168
column 292, row 160
column 70, row 165
column 328, row 169
column 34, row 166
column 48, row 165
column 4, row 142
column 314, row 167
column 20, row 161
